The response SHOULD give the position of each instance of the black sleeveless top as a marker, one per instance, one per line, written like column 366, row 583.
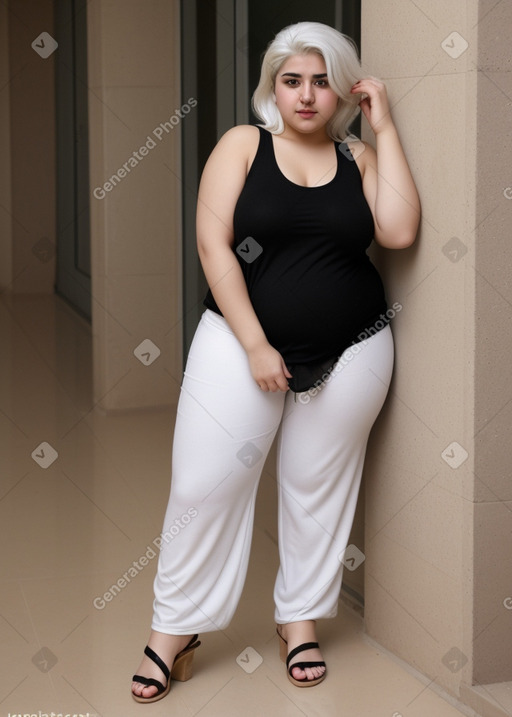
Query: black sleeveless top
column 302, row 251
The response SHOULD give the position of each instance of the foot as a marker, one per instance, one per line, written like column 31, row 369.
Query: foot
column 166, row 647
column 295, row 634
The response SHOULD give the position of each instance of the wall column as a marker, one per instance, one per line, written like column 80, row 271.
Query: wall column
column 438, row 493
column 134, row 116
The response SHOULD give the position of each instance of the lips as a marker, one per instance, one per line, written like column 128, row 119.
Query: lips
column 306, row 113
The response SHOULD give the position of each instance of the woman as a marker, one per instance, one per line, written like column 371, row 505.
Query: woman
column 285, row 214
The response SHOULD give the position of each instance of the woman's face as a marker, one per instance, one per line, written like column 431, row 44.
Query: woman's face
column 303, row 95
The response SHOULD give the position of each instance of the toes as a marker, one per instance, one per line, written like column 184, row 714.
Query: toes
column 139, row 689
column 310, row 673
column 316, row 672
column 297, row 673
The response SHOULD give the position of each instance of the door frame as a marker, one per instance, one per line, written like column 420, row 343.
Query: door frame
column 73, row 250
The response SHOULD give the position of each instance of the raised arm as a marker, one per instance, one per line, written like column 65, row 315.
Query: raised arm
column 387, row 181
column 221, row 183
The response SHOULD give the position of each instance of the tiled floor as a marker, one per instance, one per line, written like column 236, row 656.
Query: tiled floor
column 72, row 527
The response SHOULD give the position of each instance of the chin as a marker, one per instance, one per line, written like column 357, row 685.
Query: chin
column 310, row 128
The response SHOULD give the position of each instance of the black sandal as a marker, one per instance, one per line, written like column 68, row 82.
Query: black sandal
column 283, row 649
column 181, row 670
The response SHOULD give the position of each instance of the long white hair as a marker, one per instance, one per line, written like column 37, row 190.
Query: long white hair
column 343, row 70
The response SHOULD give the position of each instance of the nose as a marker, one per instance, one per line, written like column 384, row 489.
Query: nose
column 306, row 95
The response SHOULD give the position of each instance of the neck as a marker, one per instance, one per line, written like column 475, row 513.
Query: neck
column 306, row 138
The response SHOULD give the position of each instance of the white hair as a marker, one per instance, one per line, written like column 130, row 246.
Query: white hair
column 339, row 53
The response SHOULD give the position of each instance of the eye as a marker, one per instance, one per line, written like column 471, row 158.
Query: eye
column 292, row 80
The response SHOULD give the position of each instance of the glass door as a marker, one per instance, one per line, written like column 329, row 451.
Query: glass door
column 73, row 281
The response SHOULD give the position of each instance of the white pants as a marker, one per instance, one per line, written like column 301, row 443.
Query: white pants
column 224, row 429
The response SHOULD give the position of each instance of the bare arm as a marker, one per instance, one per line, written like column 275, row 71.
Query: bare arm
column 221, row 183
column 387, row 181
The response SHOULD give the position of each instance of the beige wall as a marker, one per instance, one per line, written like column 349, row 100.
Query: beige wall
column 133, row 51
column 493, row 366
column 438, row 536
column 27, row 179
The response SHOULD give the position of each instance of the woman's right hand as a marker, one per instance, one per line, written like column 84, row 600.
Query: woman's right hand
column 268, row 368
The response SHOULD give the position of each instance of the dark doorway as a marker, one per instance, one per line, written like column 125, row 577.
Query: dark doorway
column 73, row 280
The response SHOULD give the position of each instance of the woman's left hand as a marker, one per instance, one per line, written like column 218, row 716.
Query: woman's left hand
column 375, row 105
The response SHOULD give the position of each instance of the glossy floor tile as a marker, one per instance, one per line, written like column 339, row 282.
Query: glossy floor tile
column 82, row 499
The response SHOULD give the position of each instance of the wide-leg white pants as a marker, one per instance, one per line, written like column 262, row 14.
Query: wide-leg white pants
column 224, row 429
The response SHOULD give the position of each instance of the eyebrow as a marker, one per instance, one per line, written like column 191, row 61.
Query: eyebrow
column 296, row 74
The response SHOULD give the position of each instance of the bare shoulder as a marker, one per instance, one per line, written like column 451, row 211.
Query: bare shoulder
column 238, row 146
column 226, row 169
column 242, row 132
column 242, row 135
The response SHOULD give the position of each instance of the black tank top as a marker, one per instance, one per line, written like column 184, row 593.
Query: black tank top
column 302, row 251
